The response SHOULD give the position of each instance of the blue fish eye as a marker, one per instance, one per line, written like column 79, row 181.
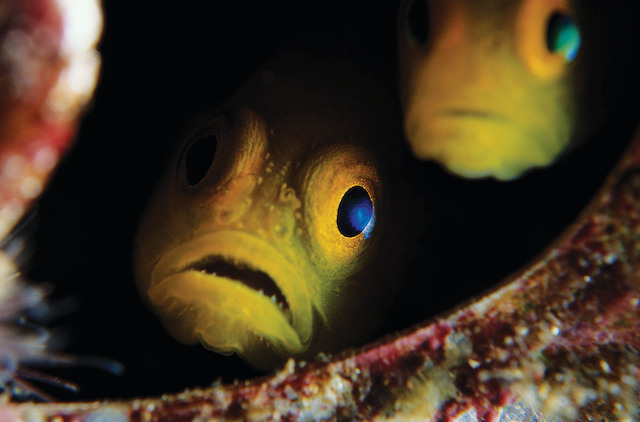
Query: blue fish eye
column 563, row 36
column 355, row 212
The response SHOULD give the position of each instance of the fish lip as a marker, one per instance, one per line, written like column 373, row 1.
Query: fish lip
column 255, row 253
column 241, row 272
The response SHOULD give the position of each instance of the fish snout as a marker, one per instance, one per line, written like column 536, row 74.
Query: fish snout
column 262, row 205
column 277, row 218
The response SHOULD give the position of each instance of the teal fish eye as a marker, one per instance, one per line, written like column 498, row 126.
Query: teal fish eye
column 563, row 36
column 355, row 212
column 198, row 158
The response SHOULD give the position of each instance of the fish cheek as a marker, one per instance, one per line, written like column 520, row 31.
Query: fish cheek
column 338, row 257
column 548, row 45
column 156, row 232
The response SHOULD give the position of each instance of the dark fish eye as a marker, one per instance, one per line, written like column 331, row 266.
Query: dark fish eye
column 418, row 21
column 355, row 212
column 563, row 36
column 198, row 158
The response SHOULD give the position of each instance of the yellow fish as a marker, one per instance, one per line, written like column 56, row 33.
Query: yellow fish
column 269, row 234
column 489, row 88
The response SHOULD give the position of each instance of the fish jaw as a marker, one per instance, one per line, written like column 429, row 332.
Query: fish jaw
column 503, row 139
column 226, row 313
column 478, row 142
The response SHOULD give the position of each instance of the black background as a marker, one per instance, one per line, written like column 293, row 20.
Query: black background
column 165, row 61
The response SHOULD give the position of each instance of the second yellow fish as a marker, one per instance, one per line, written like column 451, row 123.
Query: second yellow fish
column 489, row 88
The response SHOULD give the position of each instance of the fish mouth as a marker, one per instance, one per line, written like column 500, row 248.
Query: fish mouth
column 217, row 266
column 478, row 142
column 232, row 291
column 467, row 113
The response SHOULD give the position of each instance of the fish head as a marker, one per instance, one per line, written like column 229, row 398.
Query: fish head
column 266, row 235
column 489, row 88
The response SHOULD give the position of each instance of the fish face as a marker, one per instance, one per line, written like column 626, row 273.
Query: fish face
column 487, row 87
column 261, row 236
